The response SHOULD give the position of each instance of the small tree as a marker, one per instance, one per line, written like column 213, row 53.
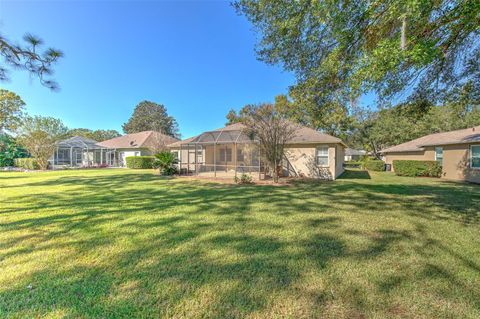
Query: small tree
column 11, row 110
column 39, row 136
column 165, row 162
column 273, row 130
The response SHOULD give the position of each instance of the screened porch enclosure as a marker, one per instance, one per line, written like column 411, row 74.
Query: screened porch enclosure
column 82, row 152
column 225, row 153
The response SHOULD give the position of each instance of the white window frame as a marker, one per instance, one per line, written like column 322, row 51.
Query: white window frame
column 317, row 156
column 471, row 156
column 436, row 158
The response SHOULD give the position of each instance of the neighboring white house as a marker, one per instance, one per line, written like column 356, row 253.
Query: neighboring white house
column 353, row 155
column 137, row 144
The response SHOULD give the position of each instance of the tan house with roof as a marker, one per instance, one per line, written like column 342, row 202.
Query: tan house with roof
column 136, row 144
column 459, row 152
column 227, row 151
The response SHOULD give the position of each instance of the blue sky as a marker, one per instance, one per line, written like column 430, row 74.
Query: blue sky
column 197, row 58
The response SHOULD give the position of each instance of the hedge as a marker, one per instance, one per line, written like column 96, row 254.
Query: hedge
column 417, row 168
column 374, row 165
column 26, row 163
column 139, row 161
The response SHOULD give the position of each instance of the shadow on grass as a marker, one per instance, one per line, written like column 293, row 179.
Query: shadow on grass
column 355, row 174
column 208, row 250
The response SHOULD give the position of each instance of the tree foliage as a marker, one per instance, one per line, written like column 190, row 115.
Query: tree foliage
column 30, row 58
column 39, row 136
column 9, row 150
column 391, row 126
column 339, row 50
column 97, row 135
column 11, row 110
column 165, row 162
column 150, row 116
column 344, row 48
column 272, row 129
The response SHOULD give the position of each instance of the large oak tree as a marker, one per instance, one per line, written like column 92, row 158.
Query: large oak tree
column 339, row 50
column 150, row 116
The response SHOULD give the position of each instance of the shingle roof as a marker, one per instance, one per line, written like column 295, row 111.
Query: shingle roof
column 464, row 136
column 138, row 140
column 303, row 135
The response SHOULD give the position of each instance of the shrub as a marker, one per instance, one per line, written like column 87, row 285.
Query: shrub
column 374, row 165
column 26, row 163
column 165, row 162
column 243, row 179
column 139, row 161
column 417, row 168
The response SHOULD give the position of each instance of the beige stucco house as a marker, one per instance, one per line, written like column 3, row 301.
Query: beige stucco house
column 227, row 151
column 136, row 144
column 458, row 151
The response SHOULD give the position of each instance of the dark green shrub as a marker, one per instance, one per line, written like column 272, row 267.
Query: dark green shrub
column 243, row 179
column 26, row 163
column 165, row 162
column 10, row 150
column 417, row 168
column 139, row 161
column 374, row 165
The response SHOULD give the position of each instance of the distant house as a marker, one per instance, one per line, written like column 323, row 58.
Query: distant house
column 353, row 155
column 228, row 151
column 137, row 144
column 458, row 151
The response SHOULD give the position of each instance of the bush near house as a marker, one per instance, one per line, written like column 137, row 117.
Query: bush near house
column 26, row 163
column 417, row 168
column 374, row 165
column 139, row 161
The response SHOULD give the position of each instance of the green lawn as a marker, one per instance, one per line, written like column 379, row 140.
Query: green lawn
column 129, row 244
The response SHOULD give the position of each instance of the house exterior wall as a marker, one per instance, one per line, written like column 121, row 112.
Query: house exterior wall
column 455, row 165
column 303, row 158
column 427, row 155
column 340, row 159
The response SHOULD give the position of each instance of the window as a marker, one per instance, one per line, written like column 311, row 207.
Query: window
column 63, row 154
column 225, row 154
column 475, row 156
column 240, row 156
column 439, row 154
column 322, row 156
column 137, row 154
column 175, row 155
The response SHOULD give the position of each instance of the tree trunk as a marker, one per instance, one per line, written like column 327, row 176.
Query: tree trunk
column 403, row 44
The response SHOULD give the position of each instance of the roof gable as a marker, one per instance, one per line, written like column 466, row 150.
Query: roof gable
column 143, row 139
column 463, row 136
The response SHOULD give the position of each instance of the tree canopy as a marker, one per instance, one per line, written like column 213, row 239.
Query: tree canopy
column 30, row 58
column 339, row 50
column 345, row 48
column 11, row 110
column 97, row 135
column 150, row 116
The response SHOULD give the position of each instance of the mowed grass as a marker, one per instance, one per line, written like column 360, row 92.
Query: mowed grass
column 130, row 244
